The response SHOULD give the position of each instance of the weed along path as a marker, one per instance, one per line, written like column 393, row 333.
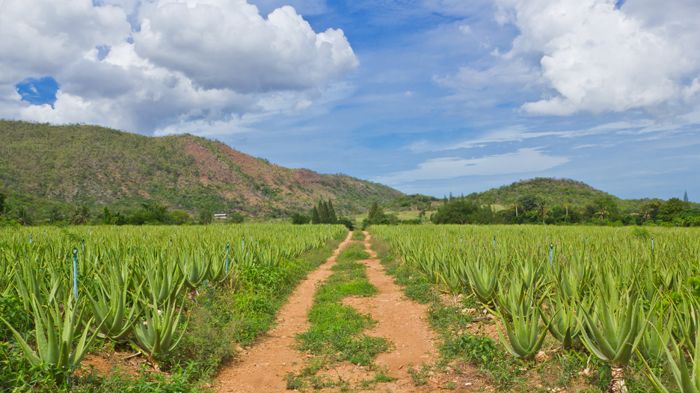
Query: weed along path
column 264, row 367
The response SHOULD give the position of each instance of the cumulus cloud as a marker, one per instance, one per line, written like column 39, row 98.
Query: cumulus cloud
column 165, row 65
column 525, row 160
column 225, row 43
column 597, row 57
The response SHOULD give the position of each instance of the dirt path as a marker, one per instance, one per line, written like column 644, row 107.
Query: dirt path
column 404, row 323
column 265, row 366
column 401, row 321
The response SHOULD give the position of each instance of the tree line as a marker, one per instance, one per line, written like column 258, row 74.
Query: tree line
column 604, row 210
column 322, row 213
column 148, row 213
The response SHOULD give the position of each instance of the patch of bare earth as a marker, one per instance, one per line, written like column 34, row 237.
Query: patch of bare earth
column 106, row 363
column 264, row 367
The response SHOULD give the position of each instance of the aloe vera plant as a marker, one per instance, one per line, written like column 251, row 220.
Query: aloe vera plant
column 510, row 299
column 686, row 372
column 523, row 326
column 656, row 337
column 483, row 277
column 157, row 334
column 561, row 317
column 686, row 322
column 114, row 305
column 163, row 282
column 60, row 335
column 195, row 269
column 612, row 329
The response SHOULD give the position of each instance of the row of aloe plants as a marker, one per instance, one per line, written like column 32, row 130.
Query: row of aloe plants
column 128, row 284
column 620, row 294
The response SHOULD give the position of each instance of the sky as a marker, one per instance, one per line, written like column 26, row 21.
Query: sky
column 427, row 96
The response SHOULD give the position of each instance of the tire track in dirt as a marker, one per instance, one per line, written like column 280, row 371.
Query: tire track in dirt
column 264, row 367
column 404, row 323
column 401, row 321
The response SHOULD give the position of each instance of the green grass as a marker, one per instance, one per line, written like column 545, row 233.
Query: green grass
column 336, row 332
column 354, row 252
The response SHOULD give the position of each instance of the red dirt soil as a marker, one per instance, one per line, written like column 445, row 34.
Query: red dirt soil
column 264, row 367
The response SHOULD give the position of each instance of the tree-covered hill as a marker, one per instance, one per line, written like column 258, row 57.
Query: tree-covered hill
column 551, row 191
column 560, row 201
column 45, row 168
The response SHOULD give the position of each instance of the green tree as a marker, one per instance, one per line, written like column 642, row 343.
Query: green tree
column 205, row 216
column 236, row 218
column 55, row 215
column 671, row 209
column 458, row 211
column 81, row 215
column 300, row 219
column 603, row 209
column 23, row 216
column 315, row 217
column 529, row 203
column 323, row 213
column 650, row 210
column 179, row 217
column 106, row 216
column 2, row 203
column 332, row 218
column 376, row 214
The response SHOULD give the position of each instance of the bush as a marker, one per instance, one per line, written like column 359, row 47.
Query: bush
column 300, row 219
column 347, row 222
column 461, row 211
column 236, row 218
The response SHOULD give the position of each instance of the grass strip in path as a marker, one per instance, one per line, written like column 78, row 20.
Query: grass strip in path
column 336, row 331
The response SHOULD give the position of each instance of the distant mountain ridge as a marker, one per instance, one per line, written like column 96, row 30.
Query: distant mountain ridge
column 44, row 165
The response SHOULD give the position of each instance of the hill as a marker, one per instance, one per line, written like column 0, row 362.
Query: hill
column 552, row 191
column 44, row 166
column 562, row 201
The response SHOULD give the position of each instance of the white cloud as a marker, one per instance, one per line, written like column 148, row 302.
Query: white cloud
column 228, row 44
column 517, row 134
column 504, row 135
column 598, row 58
column 41, row 37
column 525, row 160
column 204, row 64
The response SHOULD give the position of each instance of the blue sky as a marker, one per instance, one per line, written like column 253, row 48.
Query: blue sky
column 428, row 96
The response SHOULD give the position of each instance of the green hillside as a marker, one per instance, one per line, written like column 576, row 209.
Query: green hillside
column 561, row 201
column 552, row 191
column 45, row 167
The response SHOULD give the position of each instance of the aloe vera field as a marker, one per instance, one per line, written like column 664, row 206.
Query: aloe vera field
column 492, row 308
column 67, row 291
column 626, row 298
